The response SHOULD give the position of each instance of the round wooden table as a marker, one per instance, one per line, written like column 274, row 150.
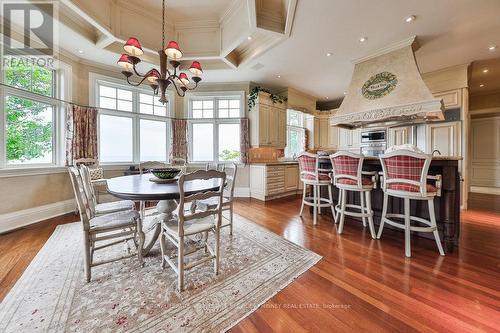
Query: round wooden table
column 140, row 188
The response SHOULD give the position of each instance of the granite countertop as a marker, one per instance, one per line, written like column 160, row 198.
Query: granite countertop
column 275, row 163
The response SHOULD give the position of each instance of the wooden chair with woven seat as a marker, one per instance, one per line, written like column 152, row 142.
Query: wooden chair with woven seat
column 101, row 208
column 311, row 174
column 405, row 175
column 187, row 223
column 228, row 198
column 100, row 232
column 348, row 175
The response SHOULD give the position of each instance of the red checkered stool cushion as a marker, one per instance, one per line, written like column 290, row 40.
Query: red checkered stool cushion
column 410, row 188
column 366, row 181
column 321, row 177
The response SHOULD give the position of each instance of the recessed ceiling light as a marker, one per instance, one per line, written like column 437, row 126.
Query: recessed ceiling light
column 278, row 76
column 329, row 54
column 363, row 39
column 345, row 92
column 486, row 70
column 327, row 97
column 492, row 47
column 410, row 18
column 249, row 37
column 79, row 51
column 481, row 85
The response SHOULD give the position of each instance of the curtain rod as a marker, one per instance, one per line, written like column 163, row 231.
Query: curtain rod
column 95, row 107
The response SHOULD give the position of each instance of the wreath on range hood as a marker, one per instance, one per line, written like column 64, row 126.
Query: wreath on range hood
column 379, row 85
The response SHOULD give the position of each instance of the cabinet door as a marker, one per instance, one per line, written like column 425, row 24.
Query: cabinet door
column 263, row 125
column 317, row 142
column 273, row 124
column 333, row 136
column 344, row 138
column 451, row 99
column 445, row 137
column 282, row 128
column 291, row 178
column 399, row 136
column 323, row 133
column 355, row 137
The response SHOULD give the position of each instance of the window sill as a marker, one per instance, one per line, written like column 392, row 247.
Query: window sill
column 31, row 171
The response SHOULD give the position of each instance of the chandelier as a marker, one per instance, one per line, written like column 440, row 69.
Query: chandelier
column 166, row 77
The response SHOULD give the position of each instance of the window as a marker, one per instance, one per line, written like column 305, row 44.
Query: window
column 215, row 127
column 295, row 133
column 133, row 125
column 29, row 117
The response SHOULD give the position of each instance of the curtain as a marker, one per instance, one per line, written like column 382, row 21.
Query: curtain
column 244, row 139
column 179, row 139
column 81, row 133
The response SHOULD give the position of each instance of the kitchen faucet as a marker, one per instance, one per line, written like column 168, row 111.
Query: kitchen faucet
column 436, row 151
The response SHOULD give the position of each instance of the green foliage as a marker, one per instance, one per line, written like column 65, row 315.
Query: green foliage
column 229, row 155
column 254, row 93
column 28, row 123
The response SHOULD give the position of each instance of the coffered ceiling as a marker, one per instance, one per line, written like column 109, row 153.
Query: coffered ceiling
column 290, row 38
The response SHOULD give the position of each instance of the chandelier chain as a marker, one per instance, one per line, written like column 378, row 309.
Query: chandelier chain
column 163, row 27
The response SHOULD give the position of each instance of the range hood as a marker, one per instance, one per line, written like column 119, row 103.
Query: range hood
column 387, row 90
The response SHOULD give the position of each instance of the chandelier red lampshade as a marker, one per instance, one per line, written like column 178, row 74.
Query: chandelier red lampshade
column 160, row 80
column 133, row 47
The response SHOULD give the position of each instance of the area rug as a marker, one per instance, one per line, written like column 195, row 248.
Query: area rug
column 51, row 295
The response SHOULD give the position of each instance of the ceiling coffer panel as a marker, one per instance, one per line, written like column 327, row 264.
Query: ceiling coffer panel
column 387, row 89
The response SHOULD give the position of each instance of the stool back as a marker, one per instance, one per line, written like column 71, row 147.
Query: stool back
column 347, row 168
column 308, row 166
column 405, row 171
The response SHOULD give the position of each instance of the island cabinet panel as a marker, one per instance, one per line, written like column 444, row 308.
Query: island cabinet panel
column 447, row 206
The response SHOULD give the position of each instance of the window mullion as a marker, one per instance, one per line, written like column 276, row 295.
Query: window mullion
column 3, row 132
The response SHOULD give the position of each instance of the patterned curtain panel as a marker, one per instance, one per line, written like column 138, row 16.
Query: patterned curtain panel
column 81, row 133
column 179, row 139
column 244, row 140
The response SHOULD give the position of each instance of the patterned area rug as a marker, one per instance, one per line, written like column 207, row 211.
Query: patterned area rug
column 51, row 295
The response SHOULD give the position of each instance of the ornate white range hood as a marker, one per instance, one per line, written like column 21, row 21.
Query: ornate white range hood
column 387, row 89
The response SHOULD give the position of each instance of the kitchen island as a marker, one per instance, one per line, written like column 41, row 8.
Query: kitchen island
column 447, row 206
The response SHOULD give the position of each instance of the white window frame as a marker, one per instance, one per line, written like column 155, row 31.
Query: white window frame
column 62, row 90
column 296, row 128
column 96, row 80
column 215, row 96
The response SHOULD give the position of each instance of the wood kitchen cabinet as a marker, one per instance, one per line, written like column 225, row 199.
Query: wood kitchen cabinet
column 451, row 98
column 445, row 137
column 349, row 139
column 273, row 181
column 268, row 123
column 399, row 136
column 322, row 135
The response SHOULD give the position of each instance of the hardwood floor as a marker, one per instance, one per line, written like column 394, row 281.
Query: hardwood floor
column 360, row 284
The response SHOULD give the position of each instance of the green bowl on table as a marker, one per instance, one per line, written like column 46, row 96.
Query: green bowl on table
column 165, row 173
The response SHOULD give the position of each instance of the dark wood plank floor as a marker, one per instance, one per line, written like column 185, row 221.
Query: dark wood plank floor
column 360, row 284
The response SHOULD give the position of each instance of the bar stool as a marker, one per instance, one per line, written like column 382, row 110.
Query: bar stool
column 405, row 176
column 311, row 174
column 348, row 176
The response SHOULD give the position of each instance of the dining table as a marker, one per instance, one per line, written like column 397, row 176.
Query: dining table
column 146, row 188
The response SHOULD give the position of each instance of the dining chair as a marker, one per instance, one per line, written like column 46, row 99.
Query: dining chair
column 96, row 174
column 101, row 208
column 180, row 163
column 193, row 223
column 100, row 232
column 228, row 197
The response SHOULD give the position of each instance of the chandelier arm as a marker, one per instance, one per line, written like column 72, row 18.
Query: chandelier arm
column 136, row 84
column 136, row 73
column 177, row 89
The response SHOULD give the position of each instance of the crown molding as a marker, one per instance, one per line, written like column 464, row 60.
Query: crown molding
column 392, row 47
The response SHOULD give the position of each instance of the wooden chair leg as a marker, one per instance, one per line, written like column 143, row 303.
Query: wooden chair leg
column 432, row 215
column 231, row 220
column 384, row 216
column 87, row 258
column 370, row 212
column 180, row 264
column 330, row 197
column 315, row 206
column 163, row 250
column 303, row 199
column 342, row 210
column 337, row 210
column 363, row 207
column 142, row 238
column 407, row 228
column 217, row 251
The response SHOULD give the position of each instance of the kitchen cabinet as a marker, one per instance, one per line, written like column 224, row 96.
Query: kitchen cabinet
column 445, row 137
column 267, row 123
column 321, row 134
column 399, row 136
column 349, row 139
column 273, row 181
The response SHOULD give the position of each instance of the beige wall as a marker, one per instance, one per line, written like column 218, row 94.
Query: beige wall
column 23, row 192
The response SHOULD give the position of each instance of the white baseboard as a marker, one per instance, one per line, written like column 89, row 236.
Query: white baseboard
column 242, row 192
column 485, row 190
column 28, row 216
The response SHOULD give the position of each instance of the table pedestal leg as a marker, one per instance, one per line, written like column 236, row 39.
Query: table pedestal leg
column 165, row 208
